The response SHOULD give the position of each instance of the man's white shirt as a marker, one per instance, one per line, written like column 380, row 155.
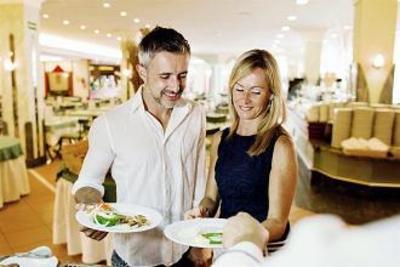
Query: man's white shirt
column 163, row 170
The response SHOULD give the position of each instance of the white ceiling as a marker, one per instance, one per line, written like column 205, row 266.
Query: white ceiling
column 211, row 26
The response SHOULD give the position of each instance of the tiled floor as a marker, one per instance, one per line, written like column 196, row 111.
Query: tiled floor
column 27, row 223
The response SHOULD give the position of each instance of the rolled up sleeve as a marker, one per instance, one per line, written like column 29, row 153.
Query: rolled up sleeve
column 98, row 159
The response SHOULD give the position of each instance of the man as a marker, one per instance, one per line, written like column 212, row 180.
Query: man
column 154, row 144
column 321, row 240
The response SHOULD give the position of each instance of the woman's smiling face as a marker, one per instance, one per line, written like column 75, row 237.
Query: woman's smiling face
column 251, row 95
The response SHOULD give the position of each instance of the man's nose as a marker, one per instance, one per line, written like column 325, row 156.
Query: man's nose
column 174, row 84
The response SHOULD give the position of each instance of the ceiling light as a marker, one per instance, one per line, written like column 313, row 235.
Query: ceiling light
column 136, row 20
column 45, row 16
column 347, row 27
column 83, row 27
column 109, row 35
column 301, row 2
column 123, row 13
column 148, row 26
column 291, row 18
column 66, row 22
column 280, row 36
column 96, row 31
column 106, row 5
column 285, row 28
column 119, row 38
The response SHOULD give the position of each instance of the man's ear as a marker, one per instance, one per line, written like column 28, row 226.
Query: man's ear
column 142, row 72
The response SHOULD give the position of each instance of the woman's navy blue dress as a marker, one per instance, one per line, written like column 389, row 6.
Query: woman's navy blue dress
column 243, row 180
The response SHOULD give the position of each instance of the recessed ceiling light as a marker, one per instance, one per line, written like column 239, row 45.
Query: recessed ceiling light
column 96, row 31
column 45, row 16
column 148, row 26
column 109, row 35
column 301, row 2
column 291, row 18
column 347, row 27
column 136, row 20
column 119, row 38
column 285, row 28
column 66, row 22
column 82, row 27
column 280, row 36
column 106, row 5
column 123, row 13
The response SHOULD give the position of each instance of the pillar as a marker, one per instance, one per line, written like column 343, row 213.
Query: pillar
column 21, row 82
column 374, row 35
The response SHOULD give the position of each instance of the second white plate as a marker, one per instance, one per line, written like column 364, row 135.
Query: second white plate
column 189, row 232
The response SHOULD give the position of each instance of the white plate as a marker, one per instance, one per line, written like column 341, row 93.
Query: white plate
column 31, row 262
column 189, row 232
column 125, row 209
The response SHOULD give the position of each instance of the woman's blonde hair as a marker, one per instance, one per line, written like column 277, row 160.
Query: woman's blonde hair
column 274, row 113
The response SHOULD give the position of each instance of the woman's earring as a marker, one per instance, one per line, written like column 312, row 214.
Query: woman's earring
column 270, row 103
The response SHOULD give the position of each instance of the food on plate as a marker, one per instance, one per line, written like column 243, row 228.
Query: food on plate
column 214, row 238
column 206, row 238
column 106, row 215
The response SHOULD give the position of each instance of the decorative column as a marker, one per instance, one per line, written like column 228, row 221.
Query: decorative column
column 126, row 70
column 21, row 77
column 374, row 35
column 312, row 56
column 130, row 79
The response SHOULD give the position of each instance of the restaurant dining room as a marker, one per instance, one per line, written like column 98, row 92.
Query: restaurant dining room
column 199, row 133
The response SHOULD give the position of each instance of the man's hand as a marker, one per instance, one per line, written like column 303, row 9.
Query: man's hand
column 86, row 198
column 243, row 227
column 93, row 234
column 88, row 195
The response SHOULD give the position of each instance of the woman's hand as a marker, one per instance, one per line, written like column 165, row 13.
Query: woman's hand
column 198, row 212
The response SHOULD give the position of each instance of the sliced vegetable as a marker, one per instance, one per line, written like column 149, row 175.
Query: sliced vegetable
column 214, row 238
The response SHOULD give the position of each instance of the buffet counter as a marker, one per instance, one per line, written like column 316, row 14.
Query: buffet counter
column 319, row 156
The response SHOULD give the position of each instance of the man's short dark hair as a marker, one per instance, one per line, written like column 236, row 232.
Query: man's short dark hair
column 162, row 39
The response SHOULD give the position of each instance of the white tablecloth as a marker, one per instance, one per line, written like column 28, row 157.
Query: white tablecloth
column 13, row 180
column 66, row 229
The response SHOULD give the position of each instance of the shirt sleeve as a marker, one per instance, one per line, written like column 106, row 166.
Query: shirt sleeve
column 244, row 254
column 98, row 159
column 200, row 185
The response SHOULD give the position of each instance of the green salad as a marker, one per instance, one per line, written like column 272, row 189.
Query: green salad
column 214, row 238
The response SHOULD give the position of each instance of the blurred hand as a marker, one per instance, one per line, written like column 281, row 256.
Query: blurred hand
column 87, row 199
column 198, row 212
column 200, row 257
column 243, row 227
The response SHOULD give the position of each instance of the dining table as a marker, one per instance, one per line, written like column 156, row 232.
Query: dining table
column 14, row 181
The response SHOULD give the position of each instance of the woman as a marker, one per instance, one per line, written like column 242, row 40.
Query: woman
column 253, row 164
